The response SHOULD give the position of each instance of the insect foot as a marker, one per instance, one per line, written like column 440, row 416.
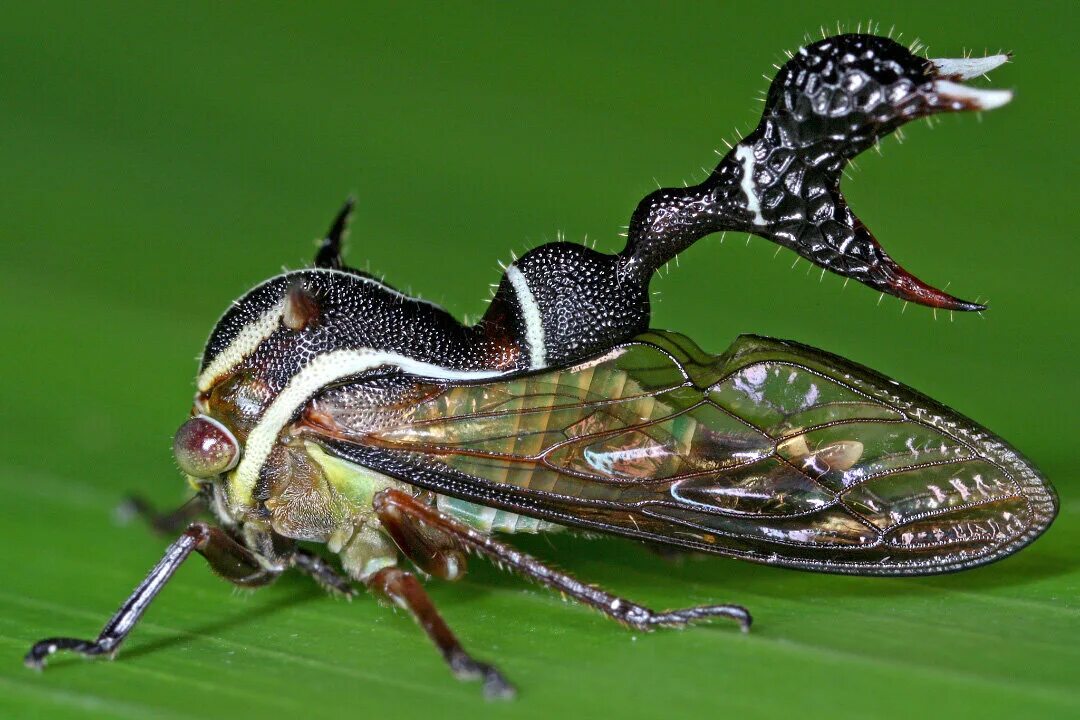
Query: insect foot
column 40, row 652
column 680, row 618
column 496, row 686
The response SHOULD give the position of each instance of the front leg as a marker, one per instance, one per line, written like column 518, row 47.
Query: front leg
column 226, row 557
column 307, row 562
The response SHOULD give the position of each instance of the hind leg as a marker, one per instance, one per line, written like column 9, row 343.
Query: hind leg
column 396, row 509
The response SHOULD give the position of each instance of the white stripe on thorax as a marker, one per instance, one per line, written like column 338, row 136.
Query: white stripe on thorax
column 745, row 155
column 246, row 342
column 534, row 321
column 255, row 332
column 321, row 371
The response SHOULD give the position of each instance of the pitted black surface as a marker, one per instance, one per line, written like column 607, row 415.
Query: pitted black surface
column 829, row 102
column 355, row 313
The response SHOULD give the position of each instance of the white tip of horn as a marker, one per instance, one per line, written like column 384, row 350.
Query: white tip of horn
column 968, row 68
column 972, row 98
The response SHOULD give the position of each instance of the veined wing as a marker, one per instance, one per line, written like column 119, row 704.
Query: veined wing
column 773, row 452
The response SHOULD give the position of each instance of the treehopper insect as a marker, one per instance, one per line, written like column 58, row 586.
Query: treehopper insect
column 332, row 409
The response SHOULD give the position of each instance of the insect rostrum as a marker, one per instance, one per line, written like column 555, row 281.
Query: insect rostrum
column 332, row 409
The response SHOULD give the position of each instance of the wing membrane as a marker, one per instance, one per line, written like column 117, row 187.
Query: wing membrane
column 774, row 452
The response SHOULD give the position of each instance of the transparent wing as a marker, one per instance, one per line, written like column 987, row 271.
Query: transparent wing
column 773, row 452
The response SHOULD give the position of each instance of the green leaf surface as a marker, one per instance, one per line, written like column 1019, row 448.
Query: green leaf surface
column 156, row 160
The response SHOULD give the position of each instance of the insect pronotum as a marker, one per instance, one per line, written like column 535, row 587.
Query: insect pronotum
column 331, row 408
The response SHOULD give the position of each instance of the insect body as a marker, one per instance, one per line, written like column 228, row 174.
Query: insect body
column 332, row 409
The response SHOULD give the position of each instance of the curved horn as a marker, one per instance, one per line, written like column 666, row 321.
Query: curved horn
column 832, row 100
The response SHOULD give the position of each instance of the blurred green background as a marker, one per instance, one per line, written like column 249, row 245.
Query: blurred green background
column 157, row 160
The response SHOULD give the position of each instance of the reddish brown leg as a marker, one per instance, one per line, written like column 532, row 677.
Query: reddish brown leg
column 404, row 590
column 396, row 509
column 433, row 550
column 228, row 558
column 307, row 562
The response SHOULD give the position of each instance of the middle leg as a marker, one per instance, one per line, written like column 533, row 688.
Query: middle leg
column 405, row 591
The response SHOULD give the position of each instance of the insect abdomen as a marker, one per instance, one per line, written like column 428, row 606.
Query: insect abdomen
column 489, row 519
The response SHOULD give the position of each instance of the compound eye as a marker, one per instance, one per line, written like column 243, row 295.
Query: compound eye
column 204, row 447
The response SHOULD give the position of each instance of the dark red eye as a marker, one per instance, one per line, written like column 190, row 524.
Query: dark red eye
column 204, row 447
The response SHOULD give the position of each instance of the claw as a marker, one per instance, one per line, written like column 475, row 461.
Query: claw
column 909, row 288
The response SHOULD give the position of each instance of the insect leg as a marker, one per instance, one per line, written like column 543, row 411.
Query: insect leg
column 432, row 550
column 161, row 523
column 322, row 573
column 228, row 558
column 405, row 591
column 303, row 560
column 395, row 507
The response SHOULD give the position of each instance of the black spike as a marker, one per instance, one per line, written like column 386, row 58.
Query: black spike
column 329, row 253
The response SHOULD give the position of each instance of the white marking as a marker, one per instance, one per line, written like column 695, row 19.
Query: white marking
column 534, row 322
column 605, row 461
column 254, row 333
column 321, row 371
column 246, row 341
column 746, row 156
column 961, row 488
column 983, row 99
column 968, row 68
